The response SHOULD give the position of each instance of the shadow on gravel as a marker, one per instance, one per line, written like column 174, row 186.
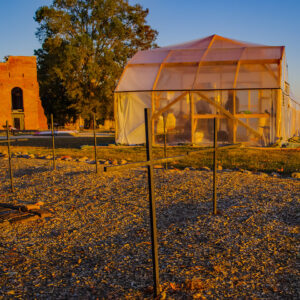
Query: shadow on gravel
column 29, row 171
column 74, row 173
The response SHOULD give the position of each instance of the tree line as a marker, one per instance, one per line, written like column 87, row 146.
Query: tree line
column 85, row 46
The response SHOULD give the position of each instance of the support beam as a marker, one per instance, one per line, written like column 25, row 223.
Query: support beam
column 228, row 114
column 157, row 114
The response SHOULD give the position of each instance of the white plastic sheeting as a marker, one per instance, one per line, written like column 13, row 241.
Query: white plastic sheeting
column 131, row 119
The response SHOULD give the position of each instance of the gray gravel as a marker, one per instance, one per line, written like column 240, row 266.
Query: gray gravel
column 97, row 243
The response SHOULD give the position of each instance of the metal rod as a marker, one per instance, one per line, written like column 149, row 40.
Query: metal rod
column 9, row 158
column 53, row 143
column 165, row 139
column 194, row 90
column 95, row 142
column 152, row 203
column 215, row 167
column 164, row 160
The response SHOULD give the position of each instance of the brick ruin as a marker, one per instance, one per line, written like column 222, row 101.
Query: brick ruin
column 20, row 103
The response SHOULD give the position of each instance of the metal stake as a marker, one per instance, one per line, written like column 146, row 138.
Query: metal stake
column 9, row 158
column 152, row 203
column 53, row 143
column 95, row 141
column 165, row 139
column 215, row 167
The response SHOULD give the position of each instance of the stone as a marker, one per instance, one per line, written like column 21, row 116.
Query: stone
column 219, row 168
column 83, row 159
column 102, row 161
column 31, row 156
column 49, row 157
column 262, row 174
column 66, row 157
column 158, row 167
column 114, row 162
column 42, row 213
column 123, row 162
column 107, row 162
column 274, row 174
column 296, row 175
column 205, row 169
column 91, row 162
column 246, row 172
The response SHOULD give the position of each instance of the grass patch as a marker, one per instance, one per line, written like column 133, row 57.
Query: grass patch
column 284, row 161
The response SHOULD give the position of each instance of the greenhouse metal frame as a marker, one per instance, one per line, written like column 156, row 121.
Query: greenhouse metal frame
column 187, row 85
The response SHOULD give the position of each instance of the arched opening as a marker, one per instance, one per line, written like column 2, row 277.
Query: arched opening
column 17, row 99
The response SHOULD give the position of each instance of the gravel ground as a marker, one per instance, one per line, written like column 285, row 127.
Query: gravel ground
column 97, row 244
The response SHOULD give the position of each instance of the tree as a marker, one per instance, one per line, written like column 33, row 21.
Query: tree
column 85, row 46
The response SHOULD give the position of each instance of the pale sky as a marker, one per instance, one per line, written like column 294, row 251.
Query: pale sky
column 269, row 22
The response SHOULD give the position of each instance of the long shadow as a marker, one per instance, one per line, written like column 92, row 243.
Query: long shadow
column 29, row 171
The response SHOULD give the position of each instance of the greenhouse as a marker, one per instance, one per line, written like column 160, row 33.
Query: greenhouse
column 187, row 85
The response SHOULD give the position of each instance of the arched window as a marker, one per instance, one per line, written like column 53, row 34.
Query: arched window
column 17, row 99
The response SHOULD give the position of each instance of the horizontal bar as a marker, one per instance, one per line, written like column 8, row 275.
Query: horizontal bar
column 241, row 116
column 163, row 160
column 13, row 140
column 142, row 163
column 198, row 90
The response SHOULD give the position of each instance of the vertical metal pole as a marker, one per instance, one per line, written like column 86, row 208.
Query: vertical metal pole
column 53, row 143
column 165, row 139
column 215, row 167
column 95, row 142
column 9, row 158
column 148, row 128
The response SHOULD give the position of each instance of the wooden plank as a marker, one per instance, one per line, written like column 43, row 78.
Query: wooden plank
column 192, row 112
column 229, row 115
column 160, row 69
column 164, row 160
column 234, row 127
column 116, row 115
column 201, row 60
column 157, row 114
column 238, row 116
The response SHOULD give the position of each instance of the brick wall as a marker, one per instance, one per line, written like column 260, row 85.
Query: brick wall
column 21, row 71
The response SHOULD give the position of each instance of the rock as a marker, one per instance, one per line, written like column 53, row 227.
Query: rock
column 274, row 174
column 1, row 154
column 42, row 213
column 296, row 175
column 205, row 169
column 123, row 162
column 114, row 162
column 83, row 159
column 158, row 167
column 102, row 161
column 107, row 162
column 219, row 168
column 246, row 172
column 262, row 174
column 91, row 162
column 49, row 157
column 66, row 157
column 31, row 156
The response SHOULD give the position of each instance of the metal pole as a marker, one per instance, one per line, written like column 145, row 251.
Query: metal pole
column 152, row 203
column 95, row 141
column 53, row 143
column 9, row 158
column 215, row 167
column 165, row 139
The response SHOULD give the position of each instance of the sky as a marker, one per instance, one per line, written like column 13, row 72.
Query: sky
column 268, row 22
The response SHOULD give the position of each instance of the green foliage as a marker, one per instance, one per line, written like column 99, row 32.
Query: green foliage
column 85, row 46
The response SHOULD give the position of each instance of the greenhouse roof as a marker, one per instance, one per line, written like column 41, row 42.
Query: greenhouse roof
column 198, row 64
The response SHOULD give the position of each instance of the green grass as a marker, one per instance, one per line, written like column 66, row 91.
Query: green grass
column 283, row 161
